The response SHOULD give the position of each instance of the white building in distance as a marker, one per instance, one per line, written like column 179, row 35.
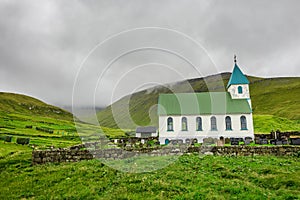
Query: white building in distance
column 146, row 132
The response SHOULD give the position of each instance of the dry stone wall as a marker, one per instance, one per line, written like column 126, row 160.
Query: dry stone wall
column 75, row 154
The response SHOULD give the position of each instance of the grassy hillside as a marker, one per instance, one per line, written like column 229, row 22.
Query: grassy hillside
column 276, row 96
column 22, row 104
column 279, row 97
column 26, row 117
column 190, row 177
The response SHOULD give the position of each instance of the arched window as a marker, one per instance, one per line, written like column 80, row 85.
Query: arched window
column 243, row 123
column 184, row 126
column 198, row 124
column 228, row 123
column 170, row 124
column 213, row 123
column 240, row 90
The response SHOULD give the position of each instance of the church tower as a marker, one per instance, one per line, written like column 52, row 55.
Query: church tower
column 238, row 85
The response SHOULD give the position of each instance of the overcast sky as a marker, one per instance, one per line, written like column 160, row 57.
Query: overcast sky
column 46, row 46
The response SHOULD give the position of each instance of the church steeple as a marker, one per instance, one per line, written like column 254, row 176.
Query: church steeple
column 237, row 77
column 238, row 84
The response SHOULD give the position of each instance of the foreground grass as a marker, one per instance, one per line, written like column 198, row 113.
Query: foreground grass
column 190, row 177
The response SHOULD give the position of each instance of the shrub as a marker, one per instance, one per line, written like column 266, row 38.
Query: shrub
column 23, row 141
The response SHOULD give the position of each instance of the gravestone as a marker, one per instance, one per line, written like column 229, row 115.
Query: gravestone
column 278, row 142
column 220, row 143
column 227, row 141
column 295, row 141
column 248, row 141
column 273, row 141
column 284, row 142
column 208, row 141
column 263, row 141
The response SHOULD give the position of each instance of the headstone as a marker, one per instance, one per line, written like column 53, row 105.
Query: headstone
column 208, row 141
column 247, row 141
column 263, row 141
column 273, row 142
column 278, row 142
column 227, row 141
column 220, row 143
column 174, row 142
column 284, row 142
column 295, row 141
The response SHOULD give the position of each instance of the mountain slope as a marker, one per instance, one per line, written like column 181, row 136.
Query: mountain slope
column 25, row 105
column 279, row 97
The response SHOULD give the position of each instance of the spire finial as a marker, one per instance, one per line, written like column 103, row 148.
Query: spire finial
column 234, row 57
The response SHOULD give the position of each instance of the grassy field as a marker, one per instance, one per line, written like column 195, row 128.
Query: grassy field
column 190, row 177
column 275, row 102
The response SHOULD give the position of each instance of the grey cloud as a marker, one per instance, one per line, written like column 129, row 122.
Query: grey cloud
column 43, row 44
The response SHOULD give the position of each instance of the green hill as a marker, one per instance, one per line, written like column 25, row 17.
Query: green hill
column 18, row 103
column 22, row 116
column 46, row 125
column 276, row 97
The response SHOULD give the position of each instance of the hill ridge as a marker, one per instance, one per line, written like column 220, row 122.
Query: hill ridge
column 278, row 96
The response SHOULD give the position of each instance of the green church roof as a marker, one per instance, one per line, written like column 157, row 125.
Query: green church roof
column 237, row 77
column 201, row 103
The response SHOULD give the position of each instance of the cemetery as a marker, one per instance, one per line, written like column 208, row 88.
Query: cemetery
column 285, row 144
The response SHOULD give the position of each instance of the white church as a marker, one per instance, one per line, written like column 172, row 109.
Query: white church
column 194, row 116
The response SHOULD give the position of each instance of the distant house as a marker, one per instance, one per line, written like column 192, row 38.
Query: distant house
column 194, row 116
column 146, row 131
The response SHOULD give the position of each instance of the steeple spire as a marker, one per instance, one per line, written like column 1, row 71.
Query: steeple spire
column 237, row 77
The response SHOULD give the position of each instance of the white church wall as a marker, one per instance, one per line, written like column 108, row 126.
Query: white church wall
column 191, row 133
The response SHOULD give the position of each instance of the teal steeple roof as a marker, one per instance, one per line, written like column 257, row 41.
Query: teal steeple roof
column 237, row 77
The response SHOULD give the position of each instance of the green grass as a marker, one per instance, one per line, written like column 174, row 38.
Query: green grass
column 279, row 97
column 189, row 177
column 266, row 123
column 64, row 133
column 18, row 103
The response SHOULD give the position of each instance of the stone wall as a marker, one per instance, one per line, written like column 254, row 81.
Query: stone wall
column 76, row 154
column 256, row 150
